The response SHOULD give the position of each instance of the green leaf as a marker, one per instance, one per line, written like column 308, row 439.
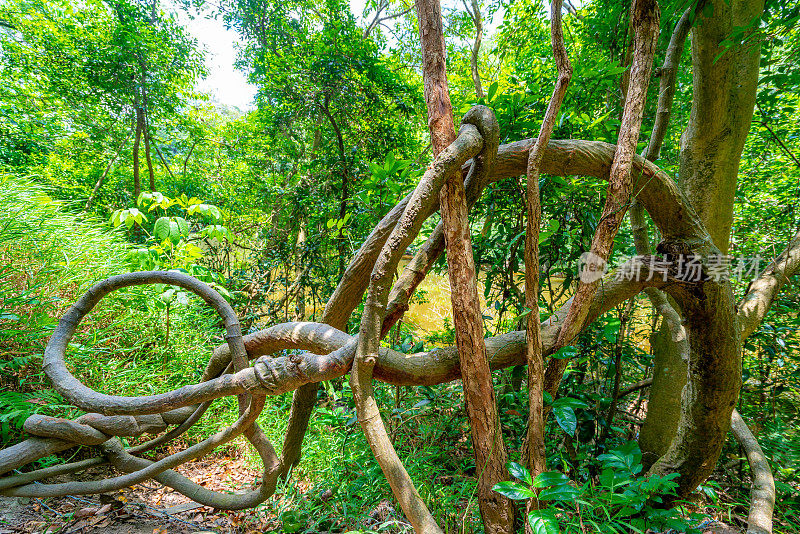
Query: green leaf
column 215, row 212
column 525, row 313
column 168, row 296
column 565, row 417
column 221, row 290
column 543, row 522
column 216, row 231
column 537, row 524
column 513, row 491
column 564, row 492
column 565, row 352
column 572, row 403
column 627, row 457
column 193, row 251
column 491, row 92
column 138, row 216
column 517, row 471
column 612, row 478
column 161, row 228
column 183, row 226
column 549, row 478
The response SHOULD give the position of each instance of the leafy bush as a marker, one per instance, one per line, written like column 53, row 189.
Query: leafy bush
column 618, row 501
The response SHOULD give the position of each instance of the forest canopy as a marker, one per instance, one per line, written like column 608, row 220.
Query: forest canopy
column 485, row 266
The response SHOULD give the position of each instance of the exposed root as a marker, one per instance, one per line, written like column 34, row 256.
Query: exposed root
column 762, row 494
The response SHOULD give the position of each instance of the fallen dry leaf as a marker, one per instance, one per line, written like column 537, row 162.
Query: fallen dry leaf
column 86, row 512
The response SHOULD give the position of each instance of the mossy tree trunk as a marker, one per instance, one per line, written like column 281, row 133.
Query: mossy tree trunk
column 724, row 92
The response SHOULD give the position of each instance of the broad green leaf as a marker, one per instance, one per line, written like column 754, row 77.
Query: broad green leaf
column 193, row 251
column 543, row 522
column 491, row 92
column 525, row 313
column 168, row 295
column 517, row 471
column 215, row 212
column 537, row 524
column 549, row 478
column 161, row 228
column 565, row 417
column 559, row 493
column 513, row 491
column 565, row 352
column 221, row 290
column 183, row 226
column 572, row 403
column 137, row 215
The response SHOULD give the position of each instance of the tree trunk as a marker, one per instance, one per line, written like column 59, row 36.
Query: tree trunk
column 664, row 403
column 645, row 14
column 724, row 95
column 536, row 459
column 137, row 184
column 144, row 107
column 497, row 511
column 148, row 156
column 724, row 92
column 477, row 19
column 669, row 345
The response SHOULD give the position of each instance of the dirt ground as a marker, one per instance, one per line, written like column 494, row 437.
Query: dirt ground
column 143, row 509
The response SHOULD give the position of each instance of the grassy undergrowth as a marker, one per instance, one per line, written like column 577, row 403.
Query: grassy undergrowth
column 48, row 258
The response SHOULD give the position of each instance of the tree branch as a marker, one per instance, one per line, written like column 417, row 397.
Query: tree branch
column 762, row 292
column 645, row 16
column 536, row 457
column 762, row 494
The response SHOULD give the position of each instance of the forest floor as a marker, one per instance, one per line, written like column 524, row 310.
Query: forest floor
column 152, row 508
column 155, row 509
column 143, row 509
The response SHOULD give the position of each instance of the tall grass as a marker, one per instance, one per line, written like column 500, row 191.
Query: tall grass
column 48, row 258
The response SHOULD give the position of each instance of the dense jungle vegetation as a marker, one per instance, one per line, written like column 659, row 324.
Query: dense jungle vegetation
column 111, row 162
